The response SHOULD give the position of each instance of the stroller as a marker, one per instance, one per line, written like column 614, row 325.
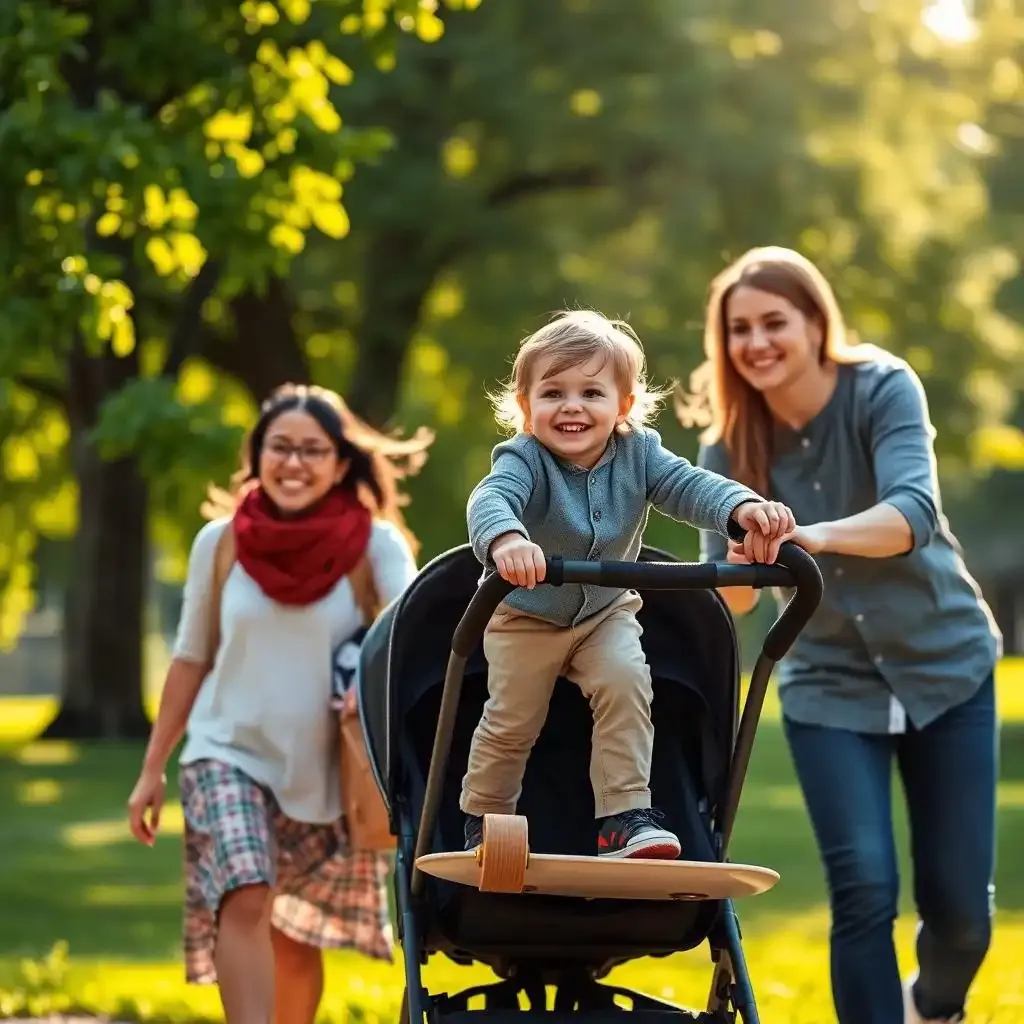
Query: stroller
column 422, row 685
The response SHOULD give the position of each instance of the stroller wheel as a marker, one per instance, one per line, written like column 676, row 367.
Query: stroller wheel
column 504, row 853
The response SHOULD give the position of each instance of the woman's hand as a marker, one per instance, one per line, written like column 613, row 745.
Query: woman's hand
column 735, row 554
column 518, row 560
column 810, row 538
column 768, row 524
column 148, row 795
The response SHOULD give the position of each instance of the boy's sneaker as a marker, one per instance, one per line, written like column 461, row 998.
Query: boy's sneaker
column 474, row 831
column 636, row 834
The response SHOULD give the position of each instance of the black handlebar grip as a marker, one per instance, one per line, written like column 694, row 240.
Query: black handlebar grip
column 641, row 575
column 802, row 605
column 800, row 572
column 809, row 588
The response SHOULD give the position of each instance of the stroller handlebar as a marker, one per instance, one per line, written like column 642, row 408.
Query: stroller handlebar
column 794, row 569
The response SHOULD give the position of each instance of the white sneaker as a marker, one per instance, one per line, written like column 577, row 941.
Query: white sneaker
column 910, row 1012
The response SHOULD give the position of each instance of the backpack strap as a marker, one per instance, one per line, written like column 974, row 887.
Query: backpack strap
column 223, row 560
column 364, row 589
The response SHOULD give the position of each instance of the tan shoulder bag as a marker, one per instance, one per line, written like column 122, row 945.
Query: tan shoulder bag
column 365, row 813
column 362, row 804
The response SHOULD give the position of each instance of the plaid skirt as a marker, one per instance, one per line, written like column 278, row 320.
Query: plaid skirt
column 236, row 834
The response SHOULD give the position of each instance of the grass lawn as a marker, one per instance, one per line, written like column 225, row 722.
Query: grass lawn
column 69, row 870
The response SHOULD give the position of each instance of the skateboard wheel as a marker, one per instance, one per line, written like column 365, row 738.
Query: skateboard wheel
column 504, row 853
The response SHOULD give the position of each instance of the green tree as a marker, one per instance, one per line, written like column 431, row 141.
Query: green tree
column 620, row 160
column 163, row 166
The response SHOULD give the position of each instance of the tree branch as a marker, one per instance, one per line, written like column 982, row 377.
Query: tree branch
column 535, row 183
column 185, row 339
column 530, row 183
column 43, row 387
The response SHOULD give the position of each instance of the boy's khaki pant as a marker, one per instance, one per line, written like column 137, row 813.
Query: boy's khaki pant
column 525, row 657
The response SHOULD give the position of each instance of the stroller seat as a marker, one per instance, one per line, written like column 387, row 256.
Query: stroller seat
column 558, row 802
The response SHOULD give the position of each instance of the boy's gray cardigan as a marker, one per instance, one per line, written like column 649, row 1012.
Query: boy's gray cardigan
column 590, row 514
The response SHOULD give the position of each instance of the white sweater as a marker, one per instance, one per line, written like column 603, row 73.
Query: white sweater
column 264, row 707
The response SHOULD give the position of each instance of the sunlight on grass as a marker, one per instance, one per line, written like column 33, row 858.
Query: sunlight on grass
column 1010, row 689
column 21, row 718
column 76, row 874
column 779, row 797
column 52, row 752
column 1011, row 794
column 86, row 835
column 130, row 895
column 788, row 960
column 38, row 792
column 788, row 798
column 24, row 717
column 1009, row 693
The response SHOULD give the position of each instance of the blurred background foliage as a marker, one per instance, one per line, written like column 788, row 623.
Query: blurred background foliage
column 384, row 196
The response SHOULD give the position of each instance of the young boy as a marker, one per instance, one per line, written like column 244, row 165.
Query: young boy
column 578, row 478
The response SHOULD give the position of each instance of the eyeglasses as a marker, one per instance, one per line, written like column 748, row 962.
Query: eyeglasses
column 308, row 454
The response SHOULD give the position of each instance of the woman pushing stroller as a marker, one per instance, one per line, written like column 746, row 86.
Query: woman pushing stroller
column 578, row 478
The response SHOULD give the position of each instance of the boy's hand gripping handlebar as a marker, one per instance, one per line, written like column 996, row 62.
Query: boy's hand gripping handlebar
column 794, row 569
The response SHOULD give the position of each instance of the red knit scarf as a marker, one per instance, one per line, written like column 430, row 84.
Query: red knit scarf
column 298, row 560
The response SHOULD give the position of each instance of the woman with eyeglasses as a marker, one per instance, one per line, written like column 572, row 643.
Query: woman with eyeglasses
column 270, row 878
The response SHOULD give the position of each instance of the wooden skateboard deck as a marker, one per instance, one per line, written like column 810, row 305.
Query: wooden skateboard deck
column 595, row 878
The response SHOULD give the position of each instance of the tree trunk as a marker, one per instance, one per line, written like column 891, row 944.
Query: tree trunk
column 101, row 692
column 262, row 349
column 399, row 273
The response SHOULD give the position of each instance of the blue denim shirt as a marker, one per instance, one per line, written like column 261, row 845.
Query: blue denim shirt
column 590, row 514
column 894, row 638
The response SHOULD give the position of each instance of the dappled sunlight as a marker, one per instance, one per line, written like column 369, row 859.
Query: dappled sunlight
column 787, row 958
column 153, row 987
column 951, row 20
column 84, row 835
column 36, row 792
column 1011, row 796
column 786, row 798
column 1009, row 693
column 21, row 718
column 127, row 895
column 50, row 752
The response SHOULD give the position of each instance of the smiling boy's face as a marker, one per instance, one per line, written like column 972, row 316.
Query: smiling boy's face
column 574, row 412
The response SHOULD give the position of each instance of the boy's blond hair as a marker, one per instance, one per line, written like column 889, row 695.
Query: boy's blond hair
column 573, row 337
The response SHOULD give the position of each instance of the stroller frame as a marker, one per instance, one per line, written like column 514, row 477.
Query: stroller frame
column 577, row 988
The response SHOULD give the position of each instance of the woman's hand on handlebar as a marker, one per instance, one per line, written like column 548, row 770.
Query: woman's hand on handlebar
column 810, row 538
column 754, row 548
column 518, row 560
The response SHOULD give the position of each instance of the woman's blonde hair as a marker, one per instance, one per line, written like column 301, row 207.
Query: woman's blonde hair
column 377, row 462
column 720, row 400
column 571, row 338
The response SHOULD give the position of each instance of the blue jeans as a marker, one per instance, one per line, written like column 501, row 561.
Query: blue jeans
column 949, row 771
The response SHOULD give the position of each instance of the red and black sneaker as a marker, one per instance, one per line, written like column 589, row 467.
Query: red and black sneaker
column 636, row 834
